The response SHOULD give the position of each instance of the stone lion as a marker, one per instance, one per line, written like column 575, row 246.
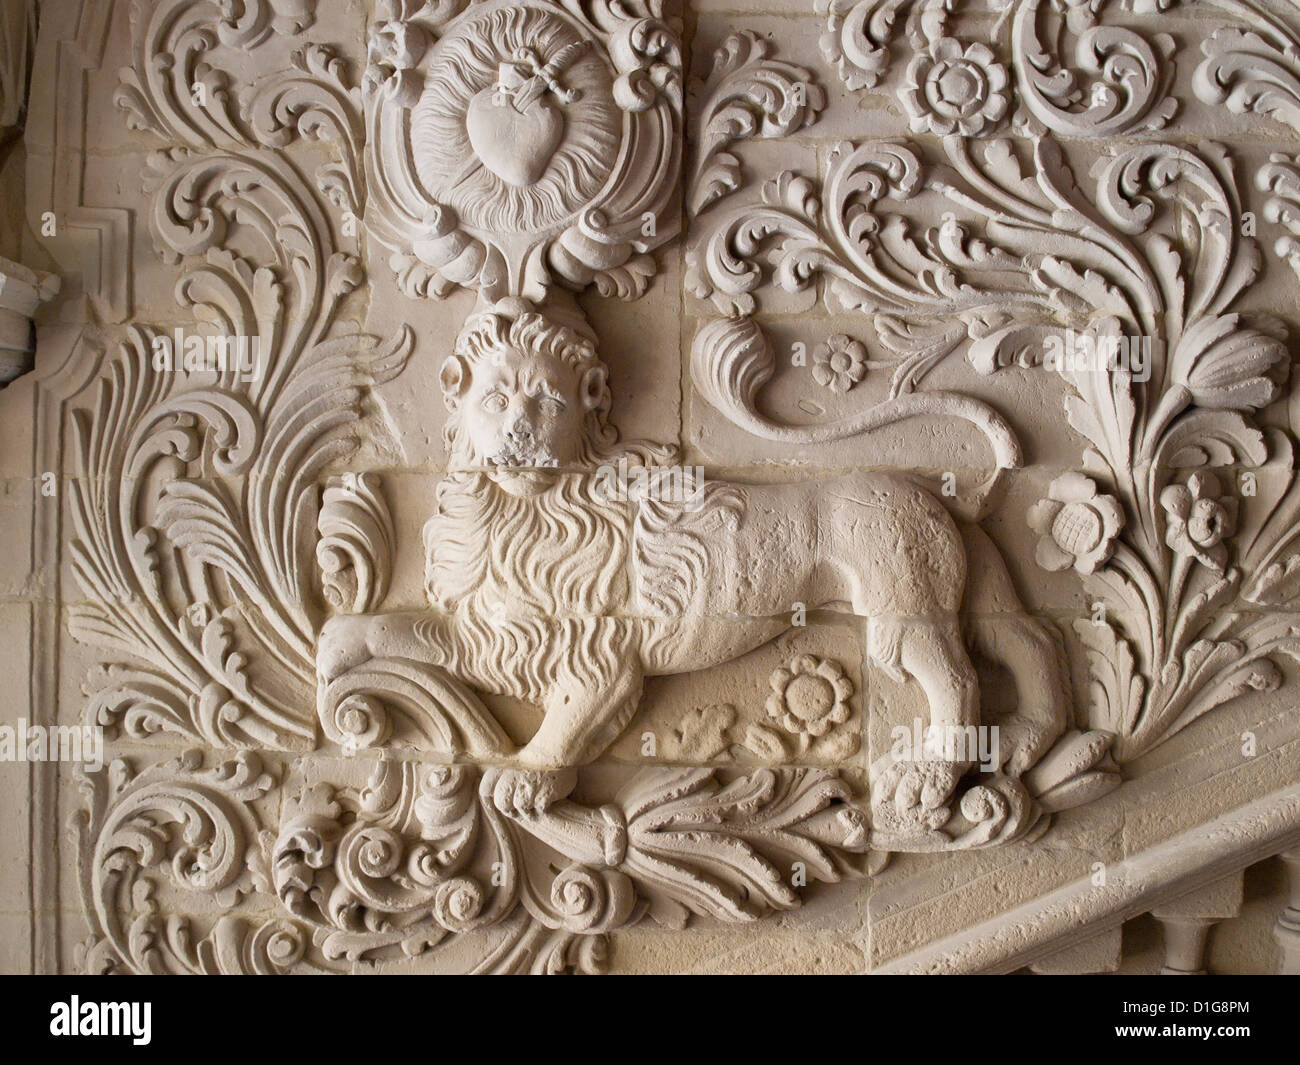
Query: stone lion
column 550, row 588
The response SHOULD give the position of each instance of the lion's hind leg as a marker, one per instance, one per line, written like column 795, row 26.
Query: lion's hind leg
column 930, row 651
column 999, row 630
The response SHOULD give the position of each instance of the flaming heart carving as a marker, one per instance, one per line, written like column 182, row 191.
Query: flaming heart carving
column 513, row 127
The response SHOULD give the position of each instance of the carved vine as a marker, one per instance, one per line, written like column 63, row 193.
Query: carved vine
column 423, row 853
column 195, row 508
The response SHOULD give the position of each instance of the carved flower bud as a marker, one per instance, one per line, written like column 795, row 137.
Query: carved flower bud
column 1226, row 366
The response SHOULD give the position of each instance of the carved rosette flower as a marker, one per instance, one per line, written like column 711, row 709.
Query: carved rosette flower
column 955, row 89
column 1199, row 520
column 810, row 696
column 1077, row 526
column 840, row 363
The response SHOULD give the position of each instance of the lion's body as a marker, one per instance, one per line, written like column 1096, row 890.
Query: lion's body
column 880, row 544
column 561, row 596
column 548, row 589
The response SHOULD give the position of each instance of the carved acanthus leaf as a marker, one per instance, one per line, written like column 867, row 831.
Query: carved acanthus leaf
column 747, row 94
column 178, row 825
column 438, row 851
column 356, row 544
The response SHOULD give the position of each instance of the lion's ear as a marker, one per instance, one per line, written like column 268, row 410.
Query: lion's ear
column 592, row 389
column 454, row 378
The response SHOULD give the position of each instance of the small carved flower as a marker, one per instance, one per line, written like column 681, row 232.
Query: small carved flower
column 810, row 696
column 840, row 363
column 951, row 90
column 1077, row 526
column 1199, row 520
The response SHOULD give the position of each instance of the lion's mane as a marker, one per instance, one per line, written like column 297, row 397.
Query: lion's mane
column 557, row 553
column 551, row 586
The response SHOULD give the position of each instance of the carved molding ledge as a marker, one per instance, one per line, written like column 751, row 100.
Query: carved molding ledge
column 1137, row 885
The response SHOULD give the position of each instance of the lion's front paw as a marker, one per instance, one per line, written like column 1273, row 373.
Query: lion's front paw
column 911, row 797
column 530, row 792
column 344, row 643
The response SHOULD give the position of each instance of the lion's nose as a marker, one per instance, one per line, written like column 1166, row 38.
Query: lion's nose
column 519, row 429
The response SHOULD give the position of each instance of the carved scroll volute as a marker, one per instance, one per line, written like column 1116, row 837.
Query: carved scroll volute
column 357, row 542
column 516, row 145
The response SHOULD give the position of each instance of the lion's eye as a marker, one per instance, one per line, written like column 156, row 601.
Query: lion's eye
column 496, row 402
column 550, row 406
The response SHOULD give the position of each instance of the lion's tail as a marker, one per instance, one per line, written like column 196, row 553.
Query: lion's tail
column 731, row 361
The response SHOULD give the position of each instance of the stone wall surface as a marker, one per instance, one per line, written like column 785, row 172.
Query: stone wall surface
column 639, row 486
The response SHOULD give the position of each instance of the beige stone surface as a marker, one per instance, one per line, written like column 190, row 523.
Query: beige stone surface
column 529, row 486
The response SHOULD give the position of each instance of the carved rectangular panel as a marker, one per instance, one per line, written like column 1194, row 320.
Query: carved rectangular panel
column 582, row 485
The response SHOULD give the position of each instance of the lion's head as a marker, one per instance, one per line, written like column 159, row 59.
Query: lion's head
column 526, row 390
column 523, row 515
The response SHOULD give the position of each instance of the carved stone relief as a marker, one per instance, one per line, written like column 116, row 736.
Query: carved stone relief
column 974, row 513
